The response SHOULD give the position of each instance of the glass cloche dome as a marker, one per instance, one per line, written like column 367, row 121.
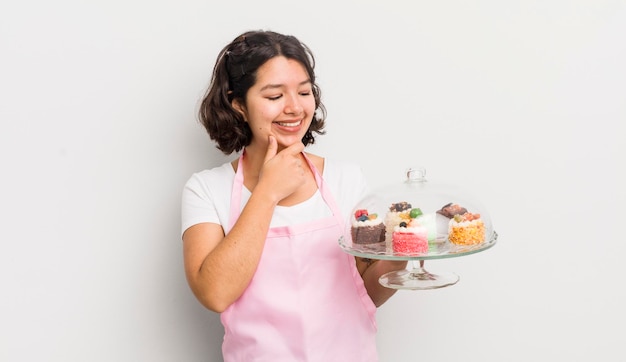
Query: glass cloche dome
column 418, row 220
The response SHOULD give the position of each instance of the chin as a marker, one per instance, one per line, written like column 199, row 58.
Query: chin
column 288, row 141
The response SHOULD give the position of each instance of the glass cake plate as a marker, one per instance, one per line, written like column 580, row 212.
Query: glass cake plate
column 427, row 209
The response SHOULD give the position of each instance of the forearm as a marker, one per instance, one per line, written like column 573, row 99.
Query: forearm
column 378, row 293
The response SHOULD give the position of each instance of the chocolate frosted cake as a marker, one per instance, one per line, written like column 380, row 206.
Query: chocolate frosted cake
column 450, row 210
column 367, row 228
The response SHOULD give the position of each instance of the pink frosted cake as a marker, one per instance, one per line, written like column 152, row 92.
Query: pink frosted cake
column 410, row 239
column 367, row 228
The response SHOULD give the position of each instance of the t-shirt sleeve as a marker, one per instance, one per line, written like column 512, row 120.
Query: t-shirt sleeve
column 198, row 204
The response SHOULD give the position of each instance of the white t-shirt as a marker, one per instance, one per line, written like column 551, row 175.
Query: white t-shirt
column 206, row 196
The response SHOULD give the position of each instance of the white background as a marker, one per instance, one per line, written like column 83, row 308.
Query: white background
column 521, row 101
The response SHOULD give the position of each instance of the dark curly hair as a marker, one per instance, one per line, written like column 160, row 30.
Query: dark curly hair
column 235, row 72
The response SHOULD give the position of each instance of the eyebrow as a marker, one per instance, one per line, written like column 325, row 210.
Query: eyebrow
column 273, row 86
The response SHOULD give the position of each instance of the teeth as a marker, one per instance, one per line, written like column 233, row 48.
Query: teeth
column 293, row 124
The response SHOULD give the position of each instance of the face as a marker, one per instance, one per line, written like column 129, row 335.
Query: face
column 281, row 103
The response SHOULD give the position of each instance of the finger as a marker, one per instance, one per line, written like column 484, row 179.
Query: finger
column 272, row 147
column 294, row 149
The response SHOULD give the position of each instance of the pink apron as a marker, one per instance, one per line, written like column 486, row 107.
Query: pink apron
column 306, row 301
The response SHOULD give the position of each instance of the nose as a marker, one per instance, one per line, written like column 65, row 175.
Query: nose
column 293, row 105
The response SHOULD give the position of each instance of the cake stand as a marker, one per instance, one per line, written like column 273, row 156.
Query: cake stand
column 430, row 198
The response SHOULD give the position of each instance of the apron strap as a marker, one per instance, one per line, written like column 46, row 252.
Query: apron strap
column 235, row 197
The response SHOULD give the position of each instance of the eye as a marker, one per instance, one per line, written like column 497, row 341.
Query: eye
column 274, row 98
column 307, row 91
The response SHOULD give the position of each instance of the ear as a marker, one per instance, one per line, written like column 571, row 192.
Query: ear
column 238, row 105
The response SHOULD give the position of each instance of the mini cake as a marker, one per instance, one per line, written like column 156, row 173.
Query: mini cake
column 450, row 210
column 410, row 239
column 443, row 216
column 398, row 212
column 367, row 228
column 466, row 229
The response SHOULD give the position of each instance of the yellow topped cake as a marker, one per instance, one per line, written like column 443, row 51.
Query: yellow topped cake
column 466, row 229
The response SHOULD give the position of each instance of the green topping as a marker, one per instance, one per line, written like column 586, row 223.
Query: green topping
column 415, row 213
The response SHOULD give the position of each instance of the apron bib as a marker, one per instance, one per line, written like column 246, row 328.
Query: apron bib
column 306, row 301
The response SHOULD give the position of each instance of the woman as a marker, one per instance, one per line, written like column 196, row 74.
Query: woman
column 260, row 233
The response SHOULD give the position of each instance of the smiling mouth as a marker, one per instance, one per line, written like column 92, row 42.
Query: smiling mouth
column 289, row 124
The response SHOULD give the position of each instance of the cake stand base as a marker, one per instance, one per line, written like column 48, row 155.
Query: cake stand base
column 417, row 279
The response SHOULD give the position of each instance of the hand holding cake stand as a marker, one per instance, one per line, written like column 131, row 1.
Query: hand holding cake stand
column 417, row 221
